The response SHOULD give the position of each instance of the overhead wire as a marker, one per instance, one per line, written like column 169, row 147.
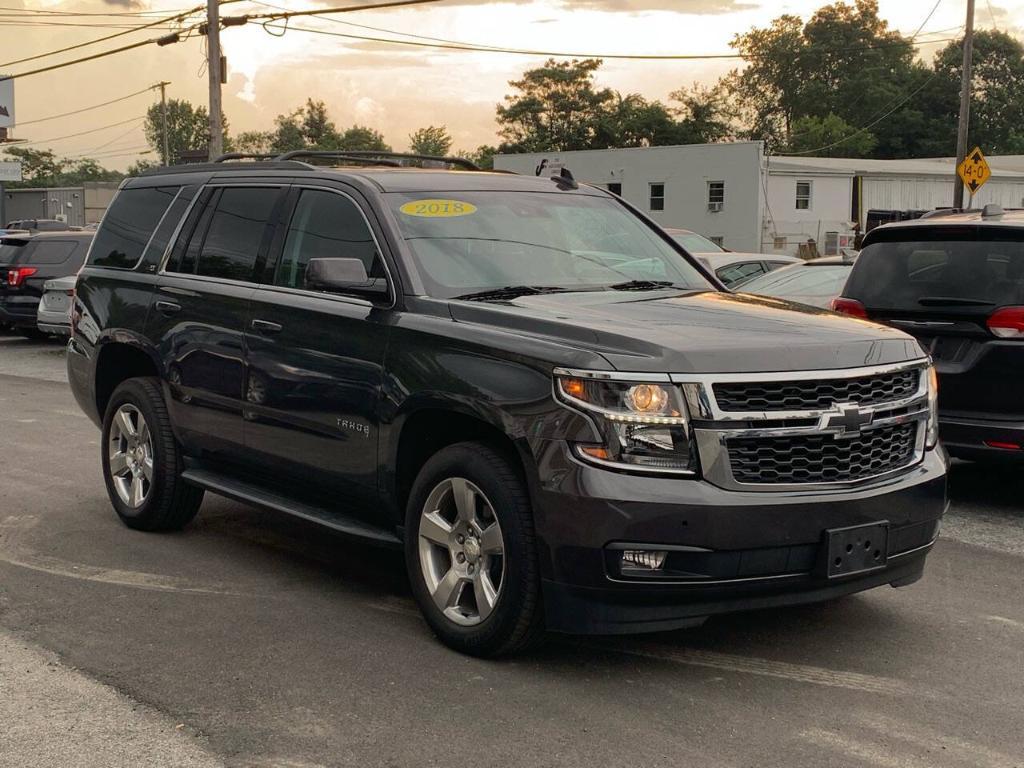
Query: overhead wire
column 20, row 123
column 80, row 133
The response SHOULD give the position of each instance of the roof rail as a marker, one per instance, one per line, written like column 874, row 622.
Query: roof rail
column 243, row 156
column 354, row 154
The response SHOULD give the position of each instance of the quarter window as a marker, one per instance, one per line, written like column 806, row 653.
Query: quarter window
column 128, row 224
column 657, row 199
column 716, row 195
column 803, row 195
column 325, row 225
column 236, row 231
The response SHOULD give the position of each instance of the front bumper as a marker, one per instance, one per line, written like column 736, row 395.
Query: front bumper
column 732, row 550
column 967, row 438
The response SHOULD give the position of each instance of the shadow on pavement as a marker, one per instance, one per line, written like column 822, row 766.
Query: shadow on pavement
column 996, row 485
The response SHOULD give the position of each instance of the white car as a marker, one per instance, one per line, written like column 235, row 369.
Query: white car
column 730, row 267
column 54, row 313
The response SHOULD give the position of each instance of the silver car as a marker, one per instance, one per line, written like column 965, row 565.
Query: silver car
column 54, row 313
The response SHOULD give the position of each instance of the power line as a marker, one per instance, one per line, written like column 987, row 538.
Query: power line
column 85, row 109
column 927, row 19
column 158, row 22
column 46, row 12
column 81, row 133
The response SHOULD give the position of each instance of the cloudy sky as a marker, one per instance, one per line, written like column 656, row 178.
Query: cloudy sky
column 394, row 89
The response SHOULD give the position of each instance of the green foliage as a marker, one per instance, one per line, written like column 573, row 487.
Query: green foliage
column 359, row 137
column 830, row 136
column 42, row 168
column 188, row 129
column 706, row 115
column 432, row 140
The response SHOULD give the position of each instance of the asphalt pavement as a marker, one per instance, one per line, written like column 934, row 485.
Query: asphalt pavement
column 251, row 639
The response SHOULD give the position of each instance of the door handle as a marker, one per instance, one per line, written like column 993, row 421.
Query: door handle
column 265, row 326
column 168, row 307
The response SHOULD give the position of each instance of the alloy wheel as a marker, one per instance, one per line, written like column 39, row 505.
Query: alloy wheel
column 461, row 551
column 130, row 454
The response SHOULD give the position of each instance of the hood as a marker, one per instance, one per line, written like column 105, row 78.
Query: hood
column 702, row 332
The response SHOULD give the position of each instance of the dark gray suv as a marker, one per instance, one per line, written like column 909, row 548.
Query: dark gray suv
column 566, row 423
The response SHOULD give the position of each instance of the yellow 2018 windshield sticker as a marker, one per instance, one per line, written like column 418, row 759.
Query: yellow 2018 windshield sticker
column 437, row 208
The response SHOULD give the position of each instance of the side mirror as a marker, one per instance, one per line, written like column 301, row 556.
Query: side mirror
column 344, row 276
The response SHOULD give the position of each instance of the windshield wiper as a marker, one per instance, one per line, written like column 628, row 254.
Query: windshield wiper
column 510, row 292
column 952, row 301
column 643, row 285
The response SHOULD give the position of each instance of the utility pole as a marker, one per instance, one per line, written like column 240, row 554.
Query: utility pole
column 163, row 112
column 965, row 105
column 213, row 62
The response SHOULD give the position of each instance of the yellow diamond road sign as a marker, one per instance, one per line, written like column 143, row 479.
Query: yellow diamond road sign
column 974, row 170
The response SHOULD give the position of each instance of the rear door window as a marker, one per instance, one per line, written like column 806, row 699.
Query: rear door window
column 128, row 225
column 972, row 271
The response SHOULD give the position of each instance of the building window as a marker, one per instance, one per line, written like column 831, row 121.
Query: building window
column 716, row 195
column 779, row 244
column 718, row 240
column 657, row 202
column 615, row 188
column 803, row 195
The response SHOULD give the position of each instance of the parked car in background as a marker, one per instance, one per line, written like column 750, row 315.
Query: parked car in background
column 54, row 313
column 26, row 263
column 814, row 282
column 730, row 267
column 39, row 225
column 956, row 283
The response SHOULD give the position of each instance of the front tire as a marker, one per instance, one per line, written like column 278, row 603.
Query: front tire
column 471, row 553
column 142, row 462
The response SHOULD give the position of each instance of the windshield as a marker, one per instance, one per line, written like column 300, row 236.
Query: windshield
column 915, row 275
column 469, row 242
column 695, row 243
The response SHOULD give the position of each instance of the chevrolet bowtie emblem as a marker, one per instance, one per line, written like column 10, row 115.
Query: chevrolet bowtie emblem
column 846, row 419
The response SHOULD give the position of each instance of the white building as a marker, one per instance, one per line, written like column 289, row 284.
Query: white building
column 747, row 201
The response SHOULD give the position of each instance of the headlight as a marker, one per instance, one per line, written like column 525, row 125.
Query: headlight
column 932, row 437
column 644, row 424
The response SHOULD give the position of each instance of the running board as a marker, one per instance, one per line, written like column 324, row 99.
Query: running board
column 239, row 490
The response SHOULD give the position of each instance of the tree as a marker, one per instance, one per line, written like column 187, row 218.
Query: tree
column 39, row 167
column 188, row 129
column 359, row 137
column 829, row 136
column 482, row 156
column 632, row 121
column 705, row 114
column 254, row 142
column 555, row 107
column 432, row 140
column 997, row 101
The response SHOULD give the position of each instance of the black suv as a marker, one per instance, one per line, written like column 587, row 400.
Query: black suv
column 566, row 422
column 956, row 282
column 26, row 263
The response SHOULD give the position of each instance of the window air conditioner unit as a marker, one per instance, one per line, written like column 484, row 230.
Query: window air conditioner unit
column 715, row 207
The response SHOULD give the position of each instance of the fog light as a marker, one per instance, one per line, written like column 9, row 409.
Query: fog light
column 644, row 559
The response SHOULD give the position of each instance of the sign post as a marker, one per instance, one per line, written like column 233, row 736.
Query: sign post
column 974, row 171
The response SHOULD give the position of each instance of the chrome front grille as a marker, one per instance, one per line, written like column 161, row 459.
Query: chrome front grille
column 802, row 430
column 807, row 394
column 822, row 458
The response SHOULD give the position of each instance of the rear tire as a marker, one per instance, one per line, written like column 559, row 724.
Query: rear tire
column 142, row 462
column 474, row 573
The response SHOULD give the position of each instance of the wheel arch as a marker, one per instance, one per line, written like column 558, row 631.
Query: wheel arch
column 117, row 360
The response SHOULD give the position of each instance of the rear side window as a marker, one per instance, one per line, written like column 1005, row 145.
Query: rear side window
column 980, row 271
column 325, row 225
column 11, row 250
column 52, row 251
column 128, row 225
column 227, row 240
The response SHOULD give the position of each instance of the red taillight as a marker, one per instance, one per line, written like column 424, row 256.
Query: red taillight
column 1007, row 323
column 850, row 307
column 1001, row 445
column 16, row 276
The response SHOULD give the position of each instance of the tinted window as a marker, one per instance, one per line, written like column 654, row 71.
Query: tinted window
column 128, row 224
column 52, row 251
column 919, row 274
column 325, row 225
column 10, row 250
column 236, row 230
